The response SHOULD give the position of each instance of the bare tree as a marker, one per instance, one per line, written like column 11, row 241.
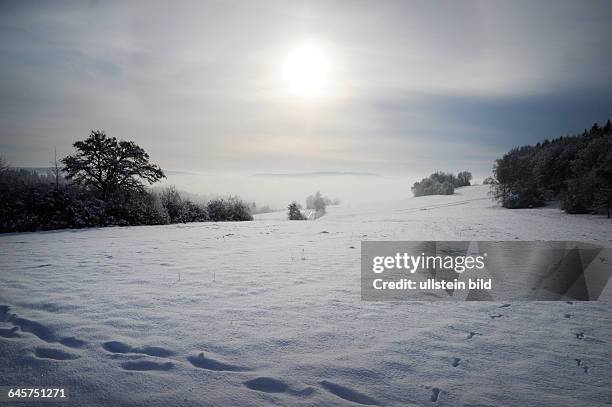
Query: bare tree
column 3, row 164
column 56, row 169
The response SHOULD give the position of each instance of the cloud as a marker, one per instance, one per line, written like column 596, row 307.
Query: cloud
column 418, row 85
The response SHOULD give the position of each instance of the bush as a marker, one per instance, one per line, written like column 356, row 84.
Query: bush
column 436, row 184
column 194, row 212
column 441, row 183
column 132, row 208
column 294, row 212
column 230, row 209
column 463, row 179
column 317, row 202
column 442, row 177
column 30, row 201
column 173, row 204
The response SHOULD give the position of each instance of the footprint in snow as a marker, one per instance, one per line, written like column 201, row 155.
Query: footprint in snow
column 456, row 362
column 120, row 347
column 146, row 365
column 203, row 362
column 55, row 354
column 10, row 333
column 72, row 342
column 37, row 329
column 270, row 385
column 267, row 385
column 435, row 394
column 348, row 394
column 473, row 334
column 580, row 335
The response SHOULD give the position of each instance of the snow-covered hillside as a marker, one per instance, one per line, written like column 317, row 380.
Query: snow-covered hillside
column 269, row 313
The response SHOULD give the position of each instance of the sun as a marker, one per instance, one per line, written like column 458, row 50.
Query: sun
column 306, row 70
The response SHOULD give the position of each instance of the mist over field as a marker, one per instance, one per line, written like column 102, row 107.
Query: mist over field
column 278, row 189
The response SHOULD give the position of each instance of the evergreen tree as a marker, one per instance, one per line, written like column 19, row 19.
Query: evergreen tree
column 294, row 212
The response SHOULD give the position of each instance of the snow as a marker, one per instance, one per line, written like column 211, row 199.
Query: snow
column 269, row 313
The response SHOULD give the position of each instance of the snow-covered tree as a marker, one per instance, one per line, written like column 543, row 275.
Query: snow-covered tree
column 294, row 213
column 108, row 165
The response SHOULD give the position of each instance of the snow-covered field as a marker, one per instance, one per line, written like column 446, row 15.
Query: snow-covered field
column 269, row 313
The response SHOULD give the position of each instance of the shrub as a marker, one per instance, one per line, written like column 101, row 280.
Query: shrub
column 294, row 212
column 464, row 178
column 317, row 202
column 194, row 212
column 173, row 204
column 434, row 185
column 230, row 209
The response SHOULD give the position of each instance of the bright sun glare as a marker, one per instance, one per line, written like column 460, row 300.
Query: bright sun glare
column 306, row 70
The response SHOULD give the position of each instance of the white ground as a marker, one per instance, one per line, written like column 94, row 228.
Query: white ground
column 274, row 306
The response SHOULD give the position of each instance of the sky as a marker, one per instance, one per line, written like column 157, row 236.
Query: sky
column 409, row 87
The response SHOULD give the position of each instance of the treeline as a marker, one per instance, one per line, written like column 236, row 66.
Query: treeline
column 102, row 184
column 441, row 183
column 575, row 169
column 30, row 202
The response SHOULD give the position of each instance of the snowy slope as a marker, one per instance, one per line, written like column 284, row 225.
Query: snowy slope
column 269, row 313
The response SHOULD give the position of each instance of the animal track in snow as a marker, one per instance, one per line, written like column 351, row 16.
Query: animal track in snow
column 456, row 362
column 580, row 335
